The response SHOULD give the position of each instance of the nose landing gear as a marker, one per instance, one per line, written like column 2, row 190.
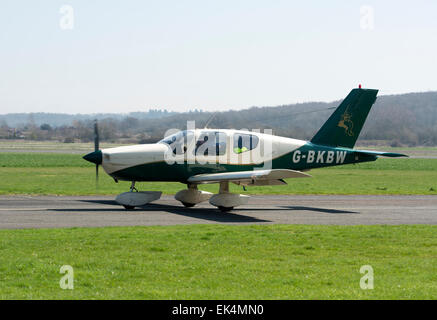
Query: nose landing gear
column 134, row 198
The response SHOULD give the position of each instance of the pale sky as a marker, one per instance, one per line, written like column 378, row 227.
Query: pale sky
column 123, row 56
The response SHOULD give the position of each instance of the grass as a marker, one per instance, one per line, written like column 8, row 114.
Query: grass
column 388, row 148
column 52, row 146
column 42, row 160
column 220, row 262
column 69, row 174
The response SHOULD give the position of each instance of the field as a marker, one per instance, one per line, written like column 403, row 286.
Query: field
column 50, row 146
column 68, row 174
column 220, row 262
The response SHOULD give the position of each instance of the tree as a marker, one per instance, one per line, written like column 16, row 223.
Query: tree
column 46, row 127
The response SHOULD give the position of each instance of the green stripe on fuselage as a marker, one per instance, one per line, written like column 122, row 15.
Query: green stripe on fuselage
column 309, row 156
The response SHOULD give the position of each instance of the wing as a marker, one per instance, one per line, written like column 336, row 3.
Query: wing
column 257, row 177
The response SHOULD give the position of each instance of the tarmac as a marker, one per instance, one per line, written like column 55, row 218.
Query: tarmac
column 17, row 212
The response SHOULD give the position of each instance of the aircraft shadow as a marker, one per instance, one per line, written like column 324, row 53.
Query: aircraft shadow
column 299, row 208
column 323, row 210
column 210, row 214
column 280, row 208
column 203, row 213
column 110, row 202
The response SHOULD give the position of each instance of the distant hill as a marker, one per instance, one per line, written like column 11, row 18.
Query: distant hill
column 62, row 119
column 406, row 119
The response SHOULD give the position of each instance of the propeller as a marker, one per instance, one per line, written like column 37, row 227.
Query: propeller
column 96, row 147
column 96, row 156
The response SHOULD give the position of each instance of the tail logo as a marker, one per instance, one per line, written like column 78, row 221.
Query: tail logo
column 346, row 123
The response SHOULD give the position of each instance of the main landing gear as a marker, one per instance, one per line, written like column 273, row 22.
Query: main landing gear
column 192, row 196
column 224, row 200
column 134, row 198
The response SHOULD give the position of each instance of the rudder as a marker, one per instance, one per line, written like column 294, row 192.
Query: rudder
column 344, row 126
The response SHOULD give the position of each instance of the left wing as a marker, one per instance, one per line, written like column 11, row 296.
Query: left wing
column 256, row 177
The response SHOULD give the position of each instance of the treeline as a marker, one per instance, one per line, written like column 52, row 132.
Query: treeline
column 397, row 120
column 20, row 120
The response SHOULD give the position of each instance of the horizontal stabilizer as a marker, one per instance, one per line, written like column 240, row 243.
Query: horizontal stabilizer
column 380, row 153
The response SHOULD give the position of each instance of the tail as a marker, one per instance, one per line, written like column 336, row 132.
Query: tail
column 344, row 125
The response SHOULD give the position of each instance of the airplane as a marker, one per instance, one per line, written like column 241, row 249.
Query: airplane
column 246, row 158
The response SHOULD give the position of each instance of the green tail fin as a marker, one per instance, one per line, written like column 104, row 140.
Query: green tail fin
column 344, row 125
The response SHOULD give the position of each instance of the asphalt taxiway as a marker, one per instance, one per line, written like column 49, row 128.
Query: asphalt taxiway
column 88, row 211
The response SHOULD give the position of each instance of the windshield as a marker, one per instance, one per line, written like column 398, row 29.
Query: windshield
column 179, row 142
column 176, row 137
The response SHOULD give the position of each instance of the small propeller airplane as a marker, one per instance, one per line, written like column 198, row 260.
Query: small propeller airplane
column 246, row 158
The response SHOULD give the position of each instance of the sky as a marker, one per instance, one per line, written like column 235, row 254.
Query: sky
column 95, row 56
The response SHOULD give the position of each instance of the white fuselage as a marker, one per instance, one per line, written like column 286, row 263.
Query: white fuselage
column 268, row 147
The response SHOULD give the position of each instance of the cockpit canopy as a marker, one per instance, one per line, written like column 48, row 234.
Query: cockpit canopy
column 210, row 142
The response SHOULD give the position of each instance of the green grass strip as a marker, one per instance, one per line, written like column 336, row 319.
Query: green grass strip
column 220, row 262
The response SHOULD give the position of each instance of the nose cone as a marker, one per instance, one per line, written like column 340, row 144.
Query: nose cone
column 94, row 157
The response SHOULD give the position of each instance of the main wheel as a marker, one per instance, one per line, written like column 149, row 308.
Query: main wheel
column 188, row 205
column 128, row 207
column 225, row 209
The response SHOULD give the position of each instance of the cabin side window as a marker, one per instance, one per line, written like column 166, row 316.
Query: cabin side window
column 211, row 143
column 244, row 142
